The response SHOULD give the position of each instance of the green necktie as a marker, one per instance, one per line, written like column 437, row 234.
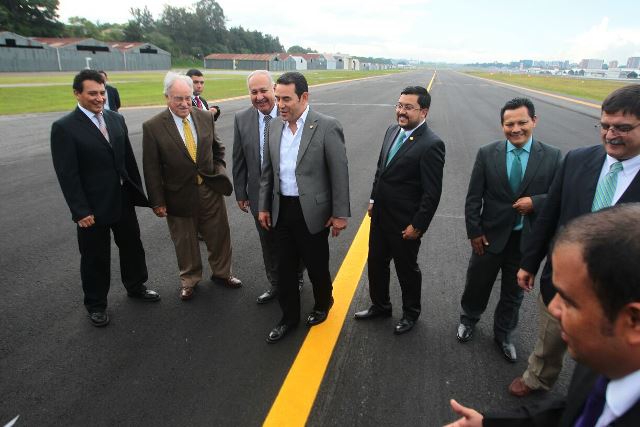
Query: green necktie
column 515, row 175
column 606, row 188
column 396, row 146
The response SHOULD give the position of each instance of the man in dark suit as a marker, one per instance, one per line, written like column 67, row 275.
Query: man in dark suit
column 590, row 178
column 99, row 178
column 184, row 170
column 250, row 129
column 598, row 306
column 405, row 195
column 304, row 192
column 112, row 101
column 507, row 189
column 198, row 86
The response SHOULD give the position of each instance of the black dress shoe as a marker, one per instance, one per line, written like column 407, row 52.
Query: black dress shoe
column 316, row 317
column 99, row 318
column 508, row 350
column 372, row 312
column 404, row 325
column 267, row 296
column 465, row 332
column 278, row 332
column 147, row 295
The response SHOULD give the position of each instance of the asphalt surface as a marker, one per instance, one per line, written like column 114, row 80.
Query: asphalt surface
column 205, row 362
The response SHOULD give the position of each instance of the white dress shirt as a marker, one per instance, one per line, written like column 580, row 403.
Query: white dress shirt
column 92, row 116
column 621, row 395
column 261, row 125
column 289, row 146
column 629, row 170
column 180, row 126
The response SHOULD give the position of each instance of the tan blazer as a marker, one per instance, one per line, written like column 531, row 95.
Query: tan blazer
column 169, row 172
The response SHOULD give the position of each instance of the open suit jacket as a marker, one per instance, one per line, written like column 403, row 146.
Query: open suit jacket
column 169, row 171
column 321, row 172
column 407, row 190
column 90, row 168
column 114, row 97
column 488, row 208
column 570, row 195
column 246, row 157
column 561, row 412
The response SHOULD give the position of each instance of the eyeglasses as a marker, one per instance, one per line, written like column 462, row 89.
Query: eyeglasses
column 180, row 99
column 406, row 107
column 620, row 130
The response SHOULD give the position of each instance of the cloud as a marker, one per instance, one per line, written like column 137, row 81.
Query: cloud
column 602, row 42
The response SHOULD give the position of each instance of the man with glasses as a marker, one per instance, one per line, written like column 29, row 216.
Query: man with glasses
column 405, row 195
column 184, row 170
column 590, row 179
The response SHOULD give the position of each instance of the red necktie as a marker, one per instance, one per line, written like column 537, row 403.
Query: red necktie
column 198, row 102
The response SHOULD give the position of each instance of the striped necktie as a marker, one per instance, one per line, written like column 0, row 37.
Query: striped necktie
column 606, row 188
column 396, row 146
column 198, row 102
column 102, row 126
column 265, row 138
column 190, row 144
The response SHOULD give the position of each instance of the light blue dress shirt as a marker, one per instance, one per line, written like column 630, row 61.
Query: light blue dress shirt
column 524, row 159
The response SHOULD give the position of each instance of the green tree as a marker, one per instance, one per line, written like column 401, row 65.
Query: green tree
column 31, row 17
column 299, row 49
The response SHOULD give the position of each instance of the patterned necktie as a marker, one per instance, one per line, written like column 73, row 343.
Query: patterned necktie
column 396, row 146
column 515, row 175
column 198, row 102
column 265, row 137
column 594, row 405
column 190, row 144
column 606, row 188
column 102, row 126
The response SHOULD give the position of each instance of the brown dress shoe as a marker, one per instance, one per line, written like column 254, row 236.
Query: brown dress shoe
column 229, row 282
column 186, row 293
column 518, row 388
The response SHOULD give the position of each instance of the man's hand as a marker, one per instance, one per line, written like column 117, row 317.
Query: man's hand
column 243, row 205
column 87, row 221
column 470, row 417
column 478, row 244
column 337, row 225
column 369, row 209
column 523, row 205
column 411, row 233
column 213, row 110
column 160, row 211
column 526, row 280
column 264, row 218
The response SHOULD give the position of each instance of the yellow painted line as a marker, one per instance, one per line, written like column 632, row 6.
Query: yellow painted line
column 564, row 98
column 431, row 82
column 298, row 392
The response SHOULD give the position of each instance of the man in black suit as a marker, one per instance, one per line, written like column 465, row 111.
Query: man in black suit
column 405, row 195
column 112, row 101
column 99, row 177
column 198, row 86
column 507, row 189
column 609, row 169
column 598, row 306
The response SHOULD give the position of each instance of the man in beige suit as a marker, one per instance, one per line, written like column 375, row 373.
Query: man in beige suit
column 184, row 171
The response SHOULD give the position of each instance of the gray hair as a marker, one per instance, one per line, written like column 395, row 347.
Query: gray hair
column 172, row 77
column 260, row 73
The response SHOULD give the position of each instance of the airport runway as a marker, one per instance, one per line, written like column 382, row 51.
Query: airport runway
column 205, row 362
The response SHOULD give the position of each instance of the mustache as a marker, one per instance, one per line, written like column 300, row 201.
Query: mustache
column 616, row 141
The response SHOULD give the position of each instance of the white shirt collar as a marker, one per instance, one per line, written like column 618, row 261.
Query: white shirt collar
column 627, row 165
column 88, row 113
column 273, row 113
column 623, row 392
column 178, row 119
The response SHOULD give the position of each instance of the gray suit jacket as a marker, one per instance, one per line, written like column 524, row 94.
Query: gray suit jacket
column 246, row 157
column 488, row 208
column 322, row 173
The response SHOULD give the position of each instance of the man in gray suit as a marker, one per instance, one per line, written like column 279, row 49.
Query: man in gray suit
column 508, row 187
column 304, row 192
column 250, row 130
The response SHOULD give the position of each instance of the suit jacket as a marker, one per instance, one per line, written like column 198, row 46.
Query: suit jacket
column 246, row 157
column 570, row 195
column 407, row 190
column 114, row 97
column 488, row 208
column 322, row 173
column 90, row 168
column 206, row 107
column 561, row 412
column 169, row 172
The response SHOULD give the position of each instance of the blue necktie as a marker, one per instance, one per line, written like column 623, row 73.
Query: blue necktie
column 396, row 146
column 594, row 405
column 606, row 188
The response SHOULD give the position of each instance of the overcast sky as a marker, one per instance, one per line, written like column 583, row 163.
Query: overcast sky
column 459, row 31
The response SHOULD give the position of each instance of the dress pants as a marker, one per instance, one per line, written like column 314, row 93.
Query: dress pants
column 95, row 256
column 384, row 246
column 210, row 220
column 270, row 255
column 294, row 241
column 481, row 275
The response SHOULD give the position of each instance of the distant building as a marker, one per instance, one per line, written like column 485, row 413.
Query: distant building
column 613, row 64
column 591, row 64
column 240, row 61
column 301, row 63
column 315, row 61
column 633, row 62
column 526, row 63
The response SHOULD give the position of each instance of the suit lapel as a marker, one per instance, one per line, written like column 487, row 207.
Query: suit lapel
column 199, row 124
column 253, row 128
column 388, row 142
column 535, row 159
column 500, row 163
column 92, row 128
column 172, row 130
column 632, row 193
column 275, row 137
column 406, row 145
column 591, row 172
column 310, row 126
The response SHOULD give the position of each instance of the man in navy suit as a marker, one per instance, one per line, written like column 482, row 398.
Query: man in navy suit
column 99, row 177
column 598, row 306
column 112, row 101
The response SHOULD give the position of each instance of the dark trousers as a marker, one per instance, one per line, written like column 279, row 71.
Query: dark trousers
column 95, row 257
column 270, row 255
column 294, row 241
column 481, row 274
column 383, row 247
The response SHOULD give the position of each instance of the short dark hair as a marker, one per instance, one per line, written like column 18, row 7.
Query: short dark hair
column 516, row 103
column 86, row 75
column 610, row 243
column 294, row 78
column 194, row 72
column 103, row 72
column 625, row 99
column 424, row 98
